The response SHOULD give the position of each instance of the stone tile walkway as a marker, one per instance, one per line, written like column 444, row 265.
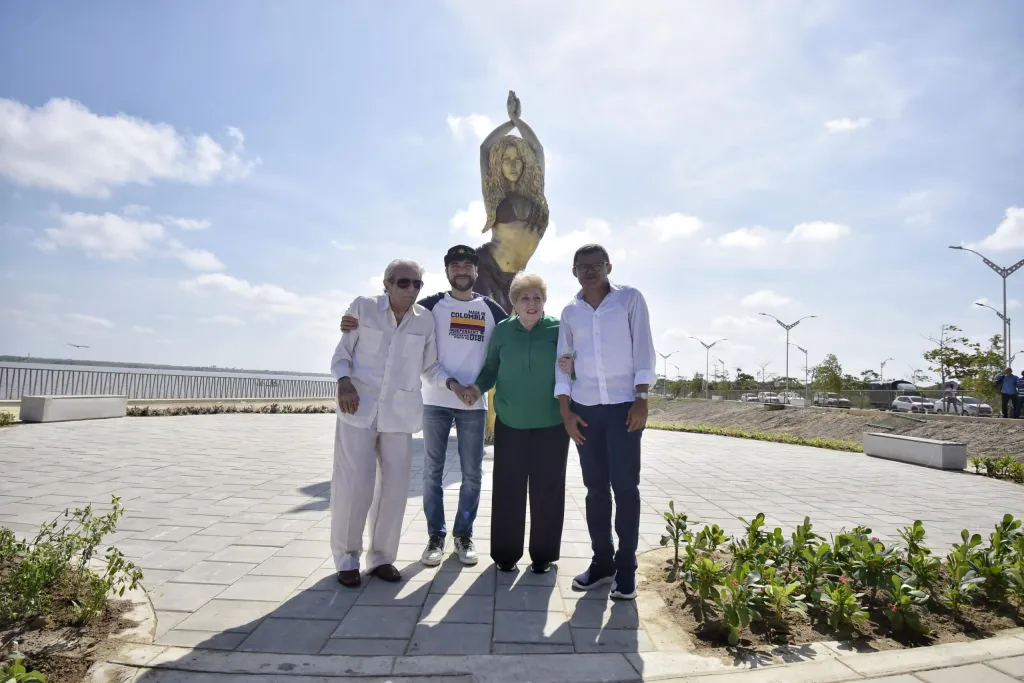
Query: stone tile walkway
column 228, row 516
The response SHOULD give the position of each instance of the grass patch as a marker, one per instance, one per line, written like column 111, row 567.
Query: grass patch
column 5, row 418
column 714, row 430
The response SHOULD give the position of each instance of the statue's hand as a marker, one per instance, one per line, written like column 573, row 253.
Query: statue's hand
column 513, row 105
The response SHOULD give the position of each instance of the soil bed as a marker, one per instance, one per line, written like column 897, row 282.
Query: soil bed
column 976, row 621
column 984, row 437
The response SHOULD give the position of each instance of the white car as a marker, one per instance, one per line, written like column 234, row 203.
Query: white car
column 912, row 404
column 964, row 405
column 749, row 398
column 769, row 397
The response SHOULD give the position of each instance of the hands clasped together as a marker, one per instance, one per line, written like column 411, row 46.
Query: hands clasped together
column 467, row 394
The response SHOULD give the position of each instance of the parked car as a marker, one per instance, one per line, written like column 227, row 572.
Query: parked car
column 788, row 396
column 912, row 404
column 749, row 398
column 882, row 394
column 964, row 405
column 831, row 400
column 768, row 397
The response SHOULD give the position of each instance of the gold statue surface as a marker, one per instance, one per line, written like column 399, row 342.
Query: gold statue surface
column 512, row 176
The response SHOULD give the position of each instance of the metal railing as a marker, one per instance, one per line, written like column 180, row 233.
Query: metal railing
column 16, row 382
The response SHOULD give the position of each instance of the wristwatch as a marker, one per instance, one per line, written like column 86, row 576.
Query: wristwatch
column 641, row 394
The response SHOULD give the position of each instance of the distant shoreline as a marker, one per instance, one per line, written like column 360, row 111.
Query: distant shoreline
column 152, row 366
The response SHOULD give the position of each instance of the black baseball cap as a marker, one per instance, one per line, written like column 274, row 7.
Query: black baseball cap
column 460, row 252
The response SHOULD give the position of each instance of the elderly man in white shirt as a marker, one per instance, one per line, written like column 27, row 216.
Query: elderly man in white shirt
column 606, row 329
column 378, row 367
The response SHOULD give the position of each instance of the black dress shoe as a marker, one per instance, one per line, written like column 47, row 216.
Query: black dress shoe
column 387, row 572
column 540, row 567
column 350, row 578
column 506, row 566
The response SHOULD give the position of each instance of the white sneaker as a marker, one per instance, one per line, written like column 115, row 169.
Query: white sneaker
column 467, row 551
column 434, row 552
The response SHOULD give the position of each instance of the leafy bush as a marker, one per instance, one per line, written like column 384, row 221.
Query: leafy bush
column 57, row 561
column 761, row 576
column 13, row 671
column 220, row 408
column 5, row 418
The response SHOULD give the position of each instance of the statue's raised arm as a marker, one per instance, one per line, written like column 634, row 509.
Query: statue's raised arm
column 515, row 108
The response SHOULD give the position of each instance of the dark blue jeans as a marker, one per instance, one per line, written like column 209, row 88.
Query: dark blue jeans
column 610, row 459
column 469, row 428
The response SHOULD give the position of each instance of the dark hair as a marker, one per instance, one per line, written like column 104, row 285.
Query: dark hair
column 590, row 249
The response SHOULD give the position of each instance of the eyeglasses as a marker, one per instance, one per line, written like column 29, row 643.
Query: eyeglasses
column 404, row 283
column 590, row 267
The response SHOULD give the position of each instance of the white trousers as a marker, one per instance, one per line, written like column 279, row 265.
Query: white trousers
column 371, row 477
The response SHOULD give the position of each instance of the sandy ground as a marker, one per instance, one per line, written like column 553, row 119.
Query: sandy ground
column 983, row 436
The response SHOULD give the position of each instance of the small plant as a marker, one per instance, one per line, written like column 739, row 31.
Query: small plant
column 1016, row 472
column 815, row 563
column 706, row 578
column 780, row 598
column 737, row 600
column 677, row 533
column 960, row 586
column 977, row 463
column 904, row 606
column 842, row 605
column 5, row 418
column 1002, row 465
column 713, row 536
column 990, row 466
column 13, row 671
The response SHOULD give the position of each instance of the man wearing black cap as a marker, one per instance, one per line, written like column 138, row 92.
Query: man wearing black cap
column 463, row 323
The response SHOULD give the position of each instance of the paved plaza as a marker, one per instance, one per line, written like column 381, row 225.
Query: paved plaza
column 228, row 516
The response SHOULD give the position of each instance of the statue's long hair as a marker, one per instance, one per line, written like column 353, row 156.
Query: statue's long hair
column 530, row 184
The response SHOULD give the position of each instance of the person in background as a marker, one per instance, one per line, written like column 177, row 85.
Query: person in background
column 531, row 446
column 464, row 322
column 378, row 368
column 1007, row 383
column 1019, row 412
column 606, row 328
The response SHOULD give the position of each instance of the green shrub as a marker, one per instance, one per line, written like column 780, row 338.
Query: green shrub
column 816, row 442
column 56, row 563
column 13, row 671
column 5, row 418
column 221, row 408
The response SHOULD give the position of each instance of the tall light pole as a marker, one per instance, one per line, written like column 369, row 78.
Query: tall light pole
column 719, row 374
column 806, row 366
column 881, row 375
column 1003, row 273
column 1006, row 328
column 707, row 363
column 665, row 357
column 787, row 328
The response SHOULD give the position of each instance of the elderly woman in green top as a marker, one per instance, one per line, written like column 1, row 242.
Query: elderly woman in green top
column 530, row 444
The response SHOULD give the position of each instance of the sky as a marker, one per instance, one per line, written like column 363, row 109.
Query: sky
column 211, row 183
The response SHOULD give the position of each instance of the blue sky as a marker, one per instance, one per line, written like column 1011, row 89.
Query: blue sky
column 211, row 183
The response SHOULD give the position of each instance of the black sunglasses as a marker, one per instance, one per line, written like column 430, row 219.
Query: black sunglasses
column 404, row 283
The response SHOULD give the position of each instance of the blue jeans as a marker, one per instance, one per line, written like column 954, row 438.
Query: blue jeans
column 469, row 428
column 610, row 459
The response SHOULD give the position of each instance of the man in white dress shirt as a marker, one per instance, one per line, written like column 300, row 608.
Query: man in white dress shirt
column 607, row 330
column 378, row 368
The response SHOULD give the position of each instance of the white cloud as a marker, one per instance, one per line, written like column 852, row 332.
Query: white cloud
column 1009, row 234
column 64, row 147
column 748, row 238
column 817, row 232
column 672, row 226
column 195, row 259
column 223, row 320
column 556, row 248
column 139, row 329
column 765, row 298
column 269, row 297
column 186, row 223
column 847, row 125
column 106, row 236
column 477, row 124
column 341, row 246
column 90, row 320
column 470, row 221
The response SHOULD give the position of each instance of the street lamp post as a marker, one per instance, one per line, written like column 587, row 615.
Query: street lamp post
column 707, row 363
column 881, row 375
column 787, row 328
column 665, row 357
column 1003, row 273
column 1006, row 328
column 719, row 374
column 806, row 365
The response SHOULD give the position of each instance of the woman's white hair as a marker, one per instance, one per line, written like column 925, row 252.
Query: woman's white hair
column 523, row 281
column 389, row 272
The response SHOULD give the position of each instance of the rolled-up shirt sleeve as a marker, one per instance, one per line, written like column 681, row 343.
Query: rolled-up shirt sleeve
column 341, row 364
column 644, row 361
column 562, row 385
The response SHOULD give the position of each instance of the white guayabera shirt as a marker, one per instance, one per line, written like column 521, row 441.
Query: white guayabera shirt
column 613, row 345
column 385, row 361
